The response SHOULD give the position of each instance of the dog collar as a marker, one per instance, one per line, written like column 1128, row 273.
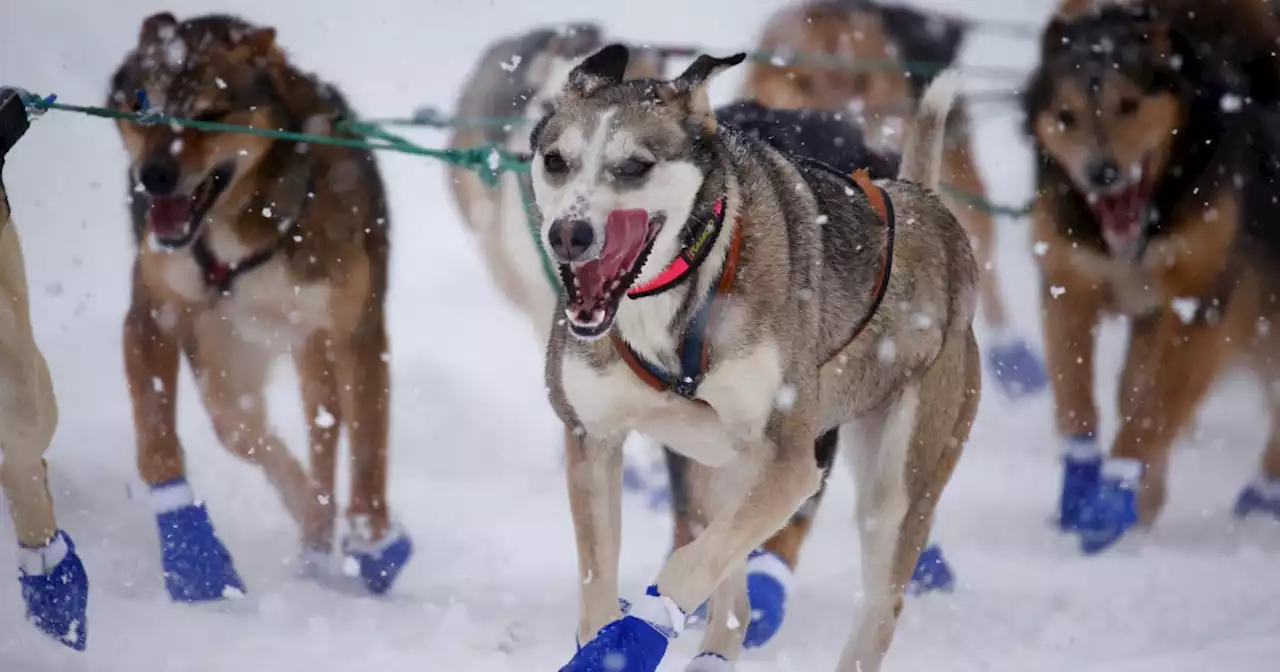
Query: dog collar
column 698, row 243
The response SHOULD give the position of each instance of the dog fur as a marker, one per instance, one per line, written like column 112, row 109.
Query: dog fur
column 1192, row 260
column 28, row 408
column 515, row 77
column 882, row 99
column 319, row 297
column 783, row 369
column 537, row 64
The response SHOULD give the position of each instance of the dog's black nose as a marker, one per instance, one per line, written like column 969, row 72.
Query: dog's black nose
column 1104, row 173
column 570, row 239
column 159, row 175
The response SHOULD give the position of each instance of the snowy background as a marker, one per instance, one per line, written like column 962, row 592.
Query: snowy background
column 474, row 451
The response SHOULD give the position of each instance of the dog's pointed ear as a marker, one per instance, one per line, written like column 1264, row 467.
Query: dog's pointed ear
column 693, row 83
column 606, row 66
column 261, row 41
column 154, row 24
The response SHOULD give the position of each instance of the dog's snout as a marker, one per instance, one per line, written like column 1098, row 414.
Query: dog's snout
column 570, row 239
column 1104, row 173
column 159, row 175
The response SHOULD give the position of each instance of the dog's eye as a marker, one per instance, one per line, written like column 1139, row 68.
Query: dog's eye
column 1067, row 119
column 211, row 116
column 803, row 82
column 1128, row 106
column 632, row 168
column 554, row 163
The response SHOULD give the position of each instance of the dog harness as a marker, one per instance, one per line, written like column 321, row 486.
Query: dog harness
column 220, row 276
column 694, row 348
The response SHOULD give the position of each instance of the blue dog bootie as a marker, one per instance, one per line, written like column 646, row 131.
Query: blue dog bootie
column 634, row 643
column 197, row 567
column 56, row 590
column 1081, row 473
column 1260, row 497
column 1018, row 370
column 932, row 573
column 380, row 562
column 768, row 585
column 1112, row 509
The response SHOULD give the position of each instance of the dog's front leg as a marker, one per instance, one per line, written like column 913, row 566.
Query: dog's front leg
column 787, row 475
column 380, row 547
column 593, row 467
column 1187, row 359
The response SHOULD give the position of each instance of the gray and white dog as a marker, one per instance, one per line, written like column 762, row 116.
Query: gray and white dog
column 733, row 303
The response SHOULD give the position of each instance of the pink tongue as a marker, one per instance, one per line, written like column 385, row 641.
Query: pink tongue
column 169, row 215
column 625, row 233
column 1121, row 214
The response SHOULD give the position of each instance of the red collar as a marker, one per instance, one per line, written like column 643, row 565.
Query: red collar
column 699, row 240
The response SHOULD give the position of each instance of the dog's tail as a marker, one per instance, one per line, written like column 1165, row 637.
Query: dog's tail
column 922, row 156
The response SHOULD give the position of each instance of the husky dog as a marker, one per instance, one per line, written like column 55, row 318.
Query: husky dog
column 1156, row 136
column 250, row 248
column 515, row 78
column 54, row 584
column 736, row 303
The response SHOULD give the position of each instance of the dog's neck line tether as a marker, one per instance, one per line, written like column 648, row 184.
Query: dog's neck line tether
column 700, row 239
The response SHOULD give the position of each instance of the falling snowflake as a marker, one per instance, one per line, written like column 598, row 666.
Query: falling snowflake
column 1186, row 309
column 1056, row 291
column 324, row 419
column 786, row 398
column 1230, row 103
column 1040, row 248
column 511, row 65
column 220, row 83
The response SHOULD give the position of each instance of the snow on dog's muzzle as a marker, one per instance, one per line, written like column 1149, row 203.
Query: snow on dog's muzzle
column 595, row 286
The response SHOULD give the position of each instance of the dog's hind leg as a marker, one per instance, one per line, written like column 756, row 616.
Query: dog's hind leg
column 322, row 407
column 902, row 461
column 593, row 467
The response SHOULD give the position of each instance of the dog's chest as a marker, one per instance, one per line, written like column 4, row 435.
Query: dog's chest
column 1133, row 289
column 265, row 305
column 741, row 394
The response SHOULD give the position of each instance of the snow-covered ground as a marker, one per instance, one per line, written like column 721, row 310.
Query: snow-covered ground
column 475, row 470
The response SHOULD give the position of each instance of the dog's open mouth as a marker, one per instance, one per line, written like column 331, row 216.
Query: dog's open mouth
column 1123, row 212
column 596, row 287
column 174, row 220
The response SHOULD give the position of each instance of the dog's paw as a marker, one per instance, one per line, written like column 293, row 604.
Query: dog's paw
column 932, row 573
column 1081, row 473
column 379, row 562
column 768, row 584
column 636, row 642
column 197, row 567
column 56, row 590
column 709, row 662
column 1259, row 498
column 1112, row 509
column 1018, row 370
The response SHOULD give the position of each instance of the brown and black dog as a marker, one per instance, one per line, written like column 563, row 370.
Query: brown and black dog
column 250, row 248
column 1157, row 138
column 810, row 58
